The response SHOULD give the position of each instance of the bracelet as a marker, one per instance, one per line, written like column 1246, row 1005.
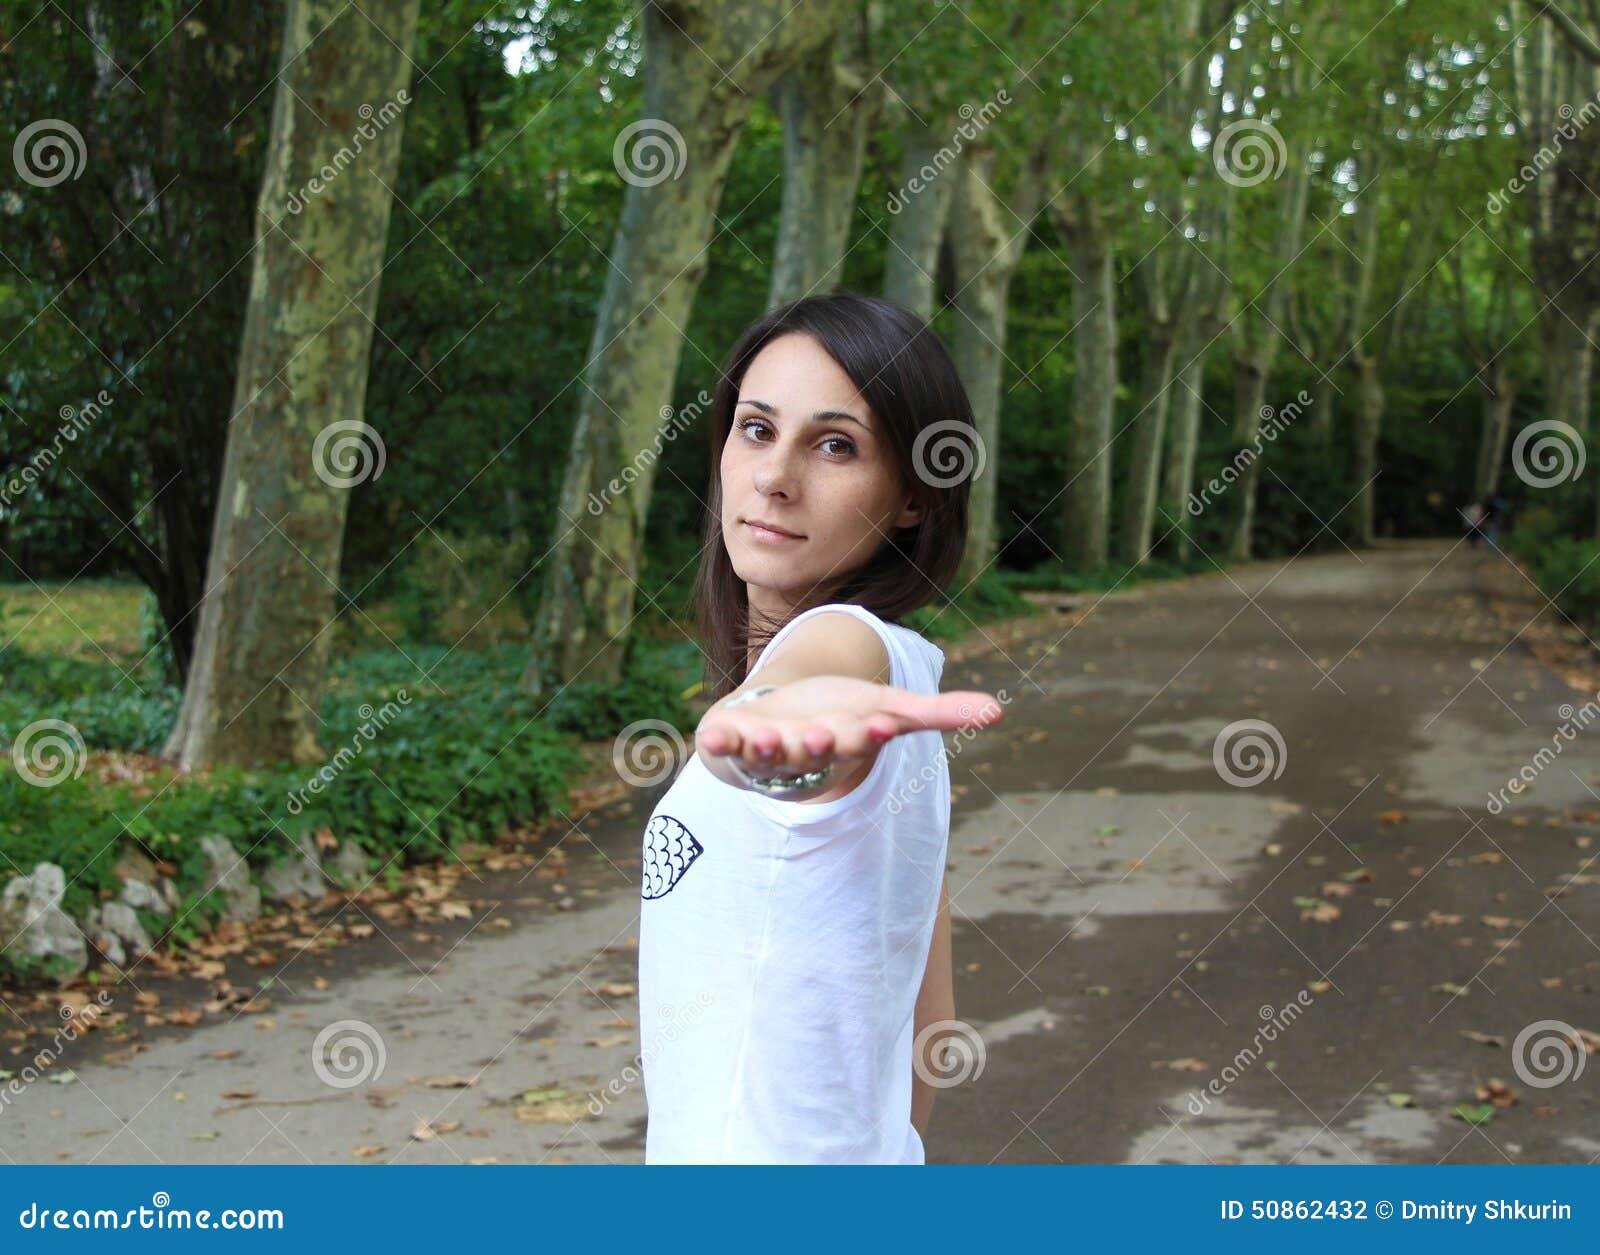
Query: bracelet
column 774, row 786
column 750, row 695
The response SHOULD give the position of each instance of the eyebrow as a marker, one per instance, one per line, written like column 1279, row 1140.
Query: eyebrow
column 819, row 416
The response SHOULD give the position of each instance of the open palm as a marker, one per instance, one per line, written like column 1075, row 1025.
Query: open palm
column 822, row 719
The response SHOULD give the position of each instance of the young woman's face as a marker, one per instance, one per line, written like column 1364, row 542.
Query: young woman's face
column 806, row 455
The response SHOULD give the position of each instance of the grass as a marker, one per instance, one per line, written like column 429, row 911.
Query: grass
column 90, row 619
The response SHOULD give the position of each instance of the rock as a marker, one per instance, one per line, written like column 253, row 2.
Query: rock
column 118, row 919
column 299, row 875
column 31, row 916
column 228, row 873
column 103, row 938
column 141, row 896
column 134, row 864
column 348, row 866
column 139, row 877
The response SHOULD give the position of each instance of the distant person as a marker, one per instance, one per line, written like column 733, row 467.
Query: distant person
column 1474, row 512
column 1497, row 522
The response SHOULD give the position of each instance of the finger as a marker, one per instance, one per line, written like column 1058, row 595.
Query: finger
column 807, row 744
column 941, row 712
column 718, row 737
column 761, row 744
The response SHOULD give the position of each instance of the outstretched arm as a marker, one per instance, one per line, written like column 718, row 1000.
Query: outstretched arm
column 831, row 706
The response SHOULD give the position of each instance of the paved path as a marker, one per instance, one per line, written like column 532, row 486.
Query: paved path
column 1125, row 917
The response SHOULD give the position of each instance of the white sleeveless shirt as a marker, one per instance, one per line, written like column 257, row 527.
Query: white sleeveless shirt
column 782, row 946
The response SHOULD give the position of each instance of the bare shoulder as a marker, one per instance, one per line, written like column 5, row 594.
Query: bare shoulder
column 834, row 642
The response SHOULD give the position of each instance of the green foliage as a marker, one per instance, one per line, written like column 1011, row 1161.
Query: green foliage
column 1565, row 567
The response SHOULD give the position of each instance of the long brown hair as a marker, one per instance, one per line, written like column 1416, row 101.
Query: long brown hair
column 904, row 373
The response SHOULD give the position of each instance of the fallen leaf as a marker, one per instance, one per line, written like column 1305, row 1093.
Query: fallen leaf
column 449, row 1082
column 1451, row 988
column 1481, row 1114
column 1393, row 817
column 1498, row 1093
column 1401, row 1100
column 1181, row 1065
column 1483, row 1039
column 615, row 989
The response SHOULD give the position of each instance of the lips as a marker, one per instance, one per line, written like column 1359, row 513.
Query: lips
column 769, row 529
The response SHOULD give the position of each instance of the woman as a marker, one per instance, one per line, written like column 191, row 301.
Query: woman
column 794, row 934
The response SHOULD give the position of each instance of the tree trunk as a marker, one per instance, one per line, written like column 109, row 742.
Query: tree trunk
column 921, row 206
column 1323, row 397
column 1569, row 364
column 657, row 261
column 1149, row 430
column 1254, row 361
column 297, row 442
column 1249, row 399
column 1499, row 395
column 1177, row 474
column 826, row 117
column 987, row 238
column 1365, row 427
column 1086, row 515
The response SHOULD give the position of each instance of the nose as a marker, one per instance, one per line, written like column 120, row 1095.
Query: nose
column 777, row 472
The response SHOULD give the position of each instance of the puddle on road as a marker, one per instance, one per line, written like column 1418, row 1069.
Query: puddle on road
column 1088, row 854
column 1228, row 1130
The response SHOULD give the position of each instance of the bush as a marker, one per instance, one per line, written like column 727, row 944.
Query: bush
column 1566, row 568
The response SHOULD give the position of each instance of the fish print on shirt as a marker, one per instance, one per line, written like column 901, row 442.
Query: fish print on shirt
column 670, row 850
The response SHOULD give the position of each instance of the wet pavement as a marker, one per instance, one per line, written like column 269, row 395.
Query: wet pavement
column 1226, row 887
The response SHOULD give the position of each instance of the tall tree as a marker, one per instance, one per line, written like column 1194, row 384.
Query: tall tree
column 989, row 231
column 828, row 102
column 322, row 219
column 691, row 123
